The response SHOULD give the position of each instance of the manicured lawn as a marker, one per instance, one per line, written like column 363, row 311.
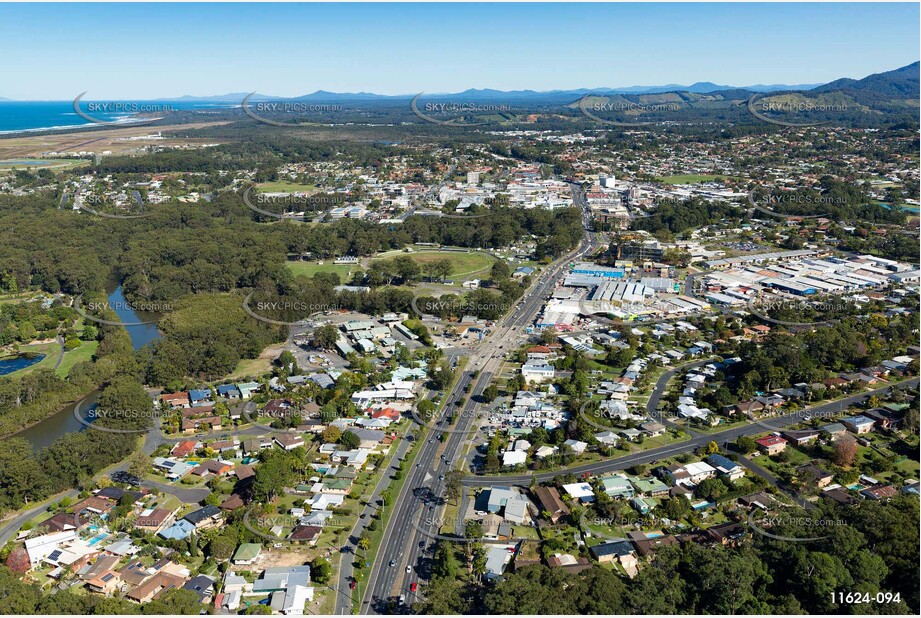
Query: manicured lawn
column 282, row 186
column 684, row 179
column 464, row 263
column 311, row 268
column 77, row 355
column 51, row 351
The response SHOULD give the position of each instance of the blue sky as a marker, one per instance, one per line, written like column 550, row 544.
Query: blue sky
column 125, row 51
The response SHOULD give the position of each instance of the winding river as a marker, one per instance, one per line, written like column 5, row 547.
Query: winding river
column 63, row 422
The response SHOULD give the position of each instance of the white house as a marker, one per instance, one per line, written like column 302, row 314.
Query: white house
column 538, row 372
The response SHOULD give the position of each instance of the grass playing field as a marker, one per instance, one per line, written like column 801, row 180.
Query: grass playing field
column 312, row 268
column 465, row 264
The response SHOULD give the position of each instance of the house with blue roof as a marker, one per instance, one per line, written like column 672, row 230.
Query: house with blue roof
column 179, row 531
column 228, row 391
column 858, row 424
column 725, row 467
column 199, row 396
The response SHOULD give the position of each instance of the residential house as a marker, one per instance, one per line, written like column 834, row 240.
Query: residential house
column 811, row 473
column 200, row 396
column 882, row 493
column 771, row 445
column 803, row 437
column 621, row 551
column 205, row 518
column 549, row 501
column 203, row 586
column 289, row 441
column 228, row 391
column 154, row 520
column 858, row 424
column 538, row 372
column 833, row 430
column 156, row 585
column 692, row 473
column 185, row 448
column 617, row 487
column 176, row 400
column 582, row 492
column 725, row 467
column 246, row 554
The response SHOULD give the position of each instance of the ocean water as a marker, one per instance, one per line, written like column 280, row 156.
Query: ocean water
column 16, row 116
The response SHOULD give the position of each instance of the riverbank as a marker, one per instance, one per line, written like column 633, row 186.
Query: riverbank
column 52, row 414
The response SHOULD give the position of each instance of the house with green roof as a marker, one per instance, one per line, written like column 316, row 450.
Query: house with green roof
column 247, row 553
column 617, row 487
column 649, row 486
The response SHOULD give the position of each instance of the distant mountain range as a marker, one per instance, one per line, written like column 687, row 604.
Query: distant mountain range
column 888, row 97
column 487, row 94
column 901, row 83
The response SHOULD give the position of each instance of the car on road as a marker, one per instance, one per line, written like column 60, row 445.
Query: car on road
column 402, row 599
column 393, row 563
column 352, row 585
column 409, row 569
column 441, row 478
column 413, row 586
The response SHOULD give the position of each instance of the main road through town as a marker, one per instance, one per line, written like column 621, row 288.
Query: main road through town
column 415, row 516
column 722, row 438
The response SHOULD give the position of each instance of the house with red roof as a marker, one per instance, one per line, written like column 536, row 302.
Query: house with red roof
column 390, row 413
column 176, row 400
column 185, row 448
column 771, row 445
column 539, row 352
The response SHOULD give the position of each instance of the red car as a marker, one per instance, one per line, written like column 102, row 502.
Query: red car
column 413, row 586
column 352, row 585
